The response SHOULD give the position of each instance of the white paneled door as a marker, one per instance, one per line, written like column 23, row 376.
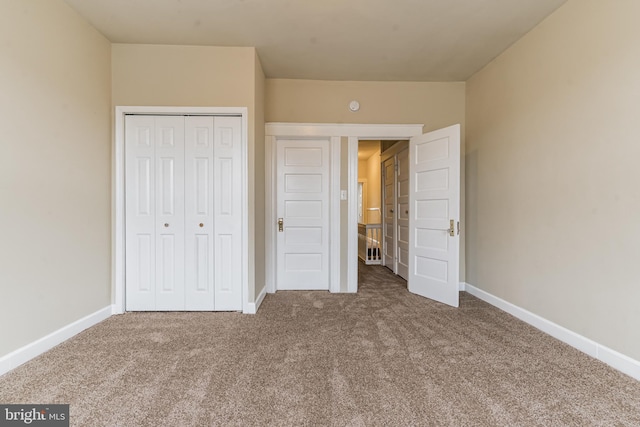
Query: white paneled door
column 389, row 214
column 302, row 228
column 403, row 214
column 183, row 213
column 434, row 207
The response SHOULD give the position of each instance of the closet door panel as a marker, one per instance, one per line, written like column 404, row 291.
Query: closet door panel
column 227, row 207
column 169, row 159
column 140, row 239
column 199, row 223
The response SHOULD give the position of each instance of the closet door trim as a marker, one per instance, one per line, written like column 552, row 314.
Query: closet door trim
column 118, row 194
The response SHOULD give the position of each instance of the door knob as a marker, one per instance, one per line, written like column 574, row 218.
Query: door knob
column 280, row 225
column 166, row 224
column 201, row 225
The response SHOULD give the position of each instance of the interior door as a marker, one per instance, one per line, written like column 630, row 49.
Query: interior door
column 434, row 206
column 154, row 243
column 302, row 187
column 389, row 215
column 402, row 211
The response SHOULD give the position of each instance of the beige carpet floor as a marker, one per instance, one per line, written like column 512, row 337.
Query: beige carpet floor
column 382, row 357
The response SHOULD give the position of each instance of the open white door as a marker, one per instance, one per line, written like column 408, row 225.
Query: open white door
column 434, row 204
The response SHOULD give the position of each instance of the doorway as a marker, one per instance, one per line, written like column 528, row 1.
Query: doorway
column 430, row 216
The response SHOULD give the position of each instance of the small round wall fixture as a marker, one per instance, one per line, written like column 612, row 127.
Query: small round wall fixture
column 354, row 106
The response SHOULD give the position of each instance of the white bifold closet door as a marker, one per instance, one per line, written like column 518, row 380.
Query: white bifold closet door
column 183, row 213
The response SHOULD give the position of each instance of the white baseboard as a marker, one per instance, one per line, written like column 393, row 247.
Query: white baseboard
column 611, row 357
column 462, row 286
column 252, row 307
column 36, row 348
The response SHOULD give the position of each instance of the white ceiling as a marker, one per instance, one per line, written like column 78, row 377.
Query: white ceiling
column 402, row 40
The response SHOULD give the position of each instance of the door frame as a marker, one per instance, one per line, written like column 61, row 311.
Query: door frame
column 271, row 135
column 118, row 194
column 353, row 133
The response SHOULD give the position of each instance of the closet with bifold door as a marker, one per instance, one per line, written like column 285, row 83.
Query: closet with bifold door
column 183, row 213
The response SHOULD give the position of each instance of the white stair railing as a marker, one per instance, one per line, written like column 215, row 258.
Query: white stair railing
column 369, row 240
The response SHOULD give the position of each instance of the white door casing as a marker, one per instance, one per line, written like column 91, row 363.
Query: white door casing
column 434, row 201
column 389, row 214
column 303, row 205
column 402, row 214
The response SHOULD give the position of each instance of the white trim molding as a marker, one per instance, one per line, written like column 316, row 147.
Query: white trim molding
column 355, row 134
column 36, row 348
column 611, row 357
column 334, row 202
column 118, row 226
column 254, row 306
column 352, row 215
column 363, row 131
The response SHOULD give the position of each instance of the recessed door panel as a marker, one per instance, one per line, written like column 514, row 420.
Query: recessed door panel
column 143, row 185
column 303, row 183
column 202, row 184
column 144, row 262
column 202, row 257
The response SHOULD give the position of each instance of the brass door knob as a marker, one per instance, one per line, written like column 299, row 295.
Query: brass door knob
column 201, row 225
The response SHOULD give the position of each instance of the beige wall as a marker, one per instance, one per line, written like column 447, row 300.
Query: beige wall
column 362, row 168
column 259, row 170
column 369, row 172
column 436, row 105
column 183, row 75
column 374, row 190
column 55, row 121
column 552, row 172
column 203, row 76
